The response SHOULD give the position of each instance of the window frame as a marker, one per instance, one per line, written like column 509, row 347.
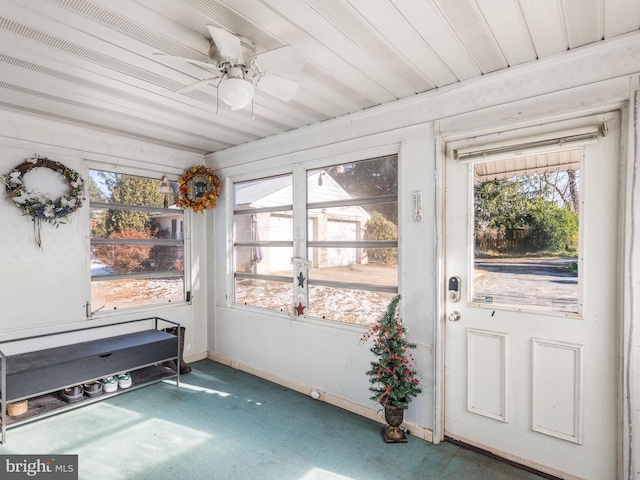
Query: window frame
column 301, row 243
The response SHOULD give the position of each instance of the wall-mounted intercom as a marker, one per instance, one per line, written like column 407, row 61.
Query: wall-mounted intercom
column 454, row 289
column 417, row 207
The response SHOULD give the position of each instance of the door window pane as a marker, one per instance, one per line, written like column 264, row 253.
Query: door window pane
column 526, row 215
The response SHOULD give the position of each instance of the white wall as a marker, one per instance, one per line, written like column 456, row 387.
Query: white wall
column 310, row 353
column 324, row 355
column 44, row 290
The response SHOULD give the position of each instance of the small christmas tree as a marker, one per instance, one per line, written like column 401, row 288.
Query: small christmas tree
column 392, row 375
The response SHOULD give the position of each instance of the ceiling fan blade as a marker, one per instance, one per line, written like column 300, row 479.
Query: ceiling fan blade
column 281, row 60
column 279, row 87
column 193, row 86
column 228, row 44
column 209, row 66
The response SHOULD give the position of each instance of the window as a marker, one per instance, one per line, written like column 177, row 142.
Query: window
column 137, row 245
column 352, row 239
column 263, row 218
column 350, row 272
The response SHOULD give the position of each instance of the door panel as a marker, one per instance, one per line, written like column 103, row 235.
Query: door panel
column 530, row 366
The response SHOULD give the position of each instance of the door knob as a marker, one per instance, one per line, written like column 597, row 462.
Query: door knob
column 454, row 316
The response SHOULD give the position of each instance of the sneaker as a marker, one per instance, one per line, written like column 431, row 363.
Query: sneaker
column 124, row 380
column 110, row 384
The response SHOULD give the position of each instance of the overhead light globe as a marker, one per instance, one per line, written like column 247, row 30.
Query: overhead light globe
column 234, row 90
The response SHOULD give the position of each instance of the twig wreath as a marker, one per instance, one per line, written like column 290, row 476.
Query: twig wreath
column 199, row 189
column 41, row 207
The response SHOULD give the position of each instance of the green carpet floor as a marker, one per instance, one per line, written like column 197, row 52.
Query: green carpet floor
column 225, row 424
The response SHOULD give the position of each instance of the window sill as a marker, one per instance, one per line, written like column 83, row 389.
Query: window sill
column 144, row 309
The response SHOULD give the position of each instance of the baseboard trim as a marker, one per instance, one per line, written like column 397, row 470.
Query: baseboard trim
column 196, row 357
column 410, row 428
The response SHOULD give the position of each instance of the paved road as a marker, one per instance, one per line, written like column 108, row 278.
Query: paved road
column 535, row 283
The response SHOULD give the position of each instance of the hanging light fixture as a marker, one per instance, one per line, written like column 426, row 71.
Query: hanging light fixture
column 234, row 90
column 165, row 188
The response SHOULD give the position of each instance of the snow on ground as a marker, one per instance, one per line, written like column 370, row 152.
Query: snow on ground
column 535, row 288
column 131, row 292
column 344, row 305
column 99, row 268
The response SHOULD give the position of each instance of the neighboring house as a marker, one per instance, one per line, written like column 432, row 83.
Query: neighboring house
column 338, row 224
column 171, row 223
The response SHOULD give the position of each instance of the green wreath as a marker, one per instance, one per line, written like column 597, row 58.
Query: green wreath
column 54, row 211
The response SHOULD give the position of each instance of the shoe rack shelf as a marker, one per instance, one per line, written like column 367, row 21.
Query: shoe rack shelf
column 39, row 375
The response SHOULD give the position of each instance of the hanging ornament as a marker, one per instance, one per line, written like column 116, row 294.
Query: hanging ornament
column 300, row 309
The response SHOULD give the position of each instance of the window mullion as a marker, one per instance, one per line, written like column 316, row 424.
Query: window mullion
column 135, row 241
column 146, row 276
column 355, row 201
column 134, row 208
column 277, row 208
column 265, row 243
column 355, row 244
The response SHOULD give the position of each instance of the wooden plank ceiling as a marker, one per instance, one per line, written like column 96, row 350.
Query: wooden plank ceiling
column 92, row 62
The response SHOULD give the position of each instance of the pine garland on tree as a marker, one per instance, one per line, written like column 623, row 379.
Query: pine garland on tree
column 392, row 375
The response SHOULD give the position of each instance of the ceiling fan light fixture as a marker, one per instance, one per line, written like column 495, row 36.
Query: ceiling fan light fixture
column 234, row 90
column 240, row 72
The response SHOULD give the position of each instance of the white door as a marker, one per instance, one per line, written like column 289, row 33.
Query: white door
column 530, row 353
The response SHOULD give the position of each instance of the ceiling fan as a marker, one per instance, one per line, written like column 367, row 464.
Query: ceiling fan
column 240, row 71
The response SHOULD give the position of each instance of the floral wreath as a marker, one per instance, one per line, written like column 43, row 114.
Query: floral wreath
column 205, row 201
column 54, row 211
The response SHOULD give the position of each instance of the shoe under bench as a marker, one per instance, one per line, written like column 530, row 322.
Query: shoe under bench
column 39, row 375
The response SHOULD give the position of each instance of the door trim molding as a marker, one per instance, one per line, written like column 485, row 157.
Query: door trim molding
column 629, row 299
